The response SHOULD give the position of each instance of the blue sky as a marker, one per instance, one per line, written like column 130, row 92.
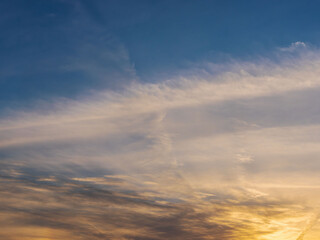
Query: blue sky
column 64, row 48
column 159, row 120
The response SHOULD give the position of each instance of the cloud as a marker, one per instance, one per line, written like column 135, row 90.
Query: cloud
column 76, row 209
column 294, row 47
column 310, row 224
column 223, row 156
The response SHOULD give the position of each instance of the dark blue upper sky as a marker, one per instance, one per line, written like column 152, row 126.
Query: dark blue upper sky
column 67, row 47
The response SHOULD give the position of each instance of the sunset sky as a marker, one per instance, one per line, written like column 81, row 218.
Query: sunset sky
column 159, row 119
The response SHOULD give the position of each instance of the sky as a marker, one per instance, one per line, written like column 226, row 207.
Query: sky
column 159, row 119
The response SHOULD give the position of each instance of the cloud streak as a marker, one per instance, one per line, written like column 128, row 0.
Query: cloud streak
column 223, row 156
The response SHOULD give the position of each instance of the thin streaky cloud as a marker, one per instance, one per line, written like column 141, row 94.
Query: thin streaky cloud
column 198, row 158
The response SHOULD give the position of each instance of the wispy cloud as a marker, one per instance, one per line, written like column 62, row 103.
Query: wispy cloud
column 211, row 157
column 294, row 47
